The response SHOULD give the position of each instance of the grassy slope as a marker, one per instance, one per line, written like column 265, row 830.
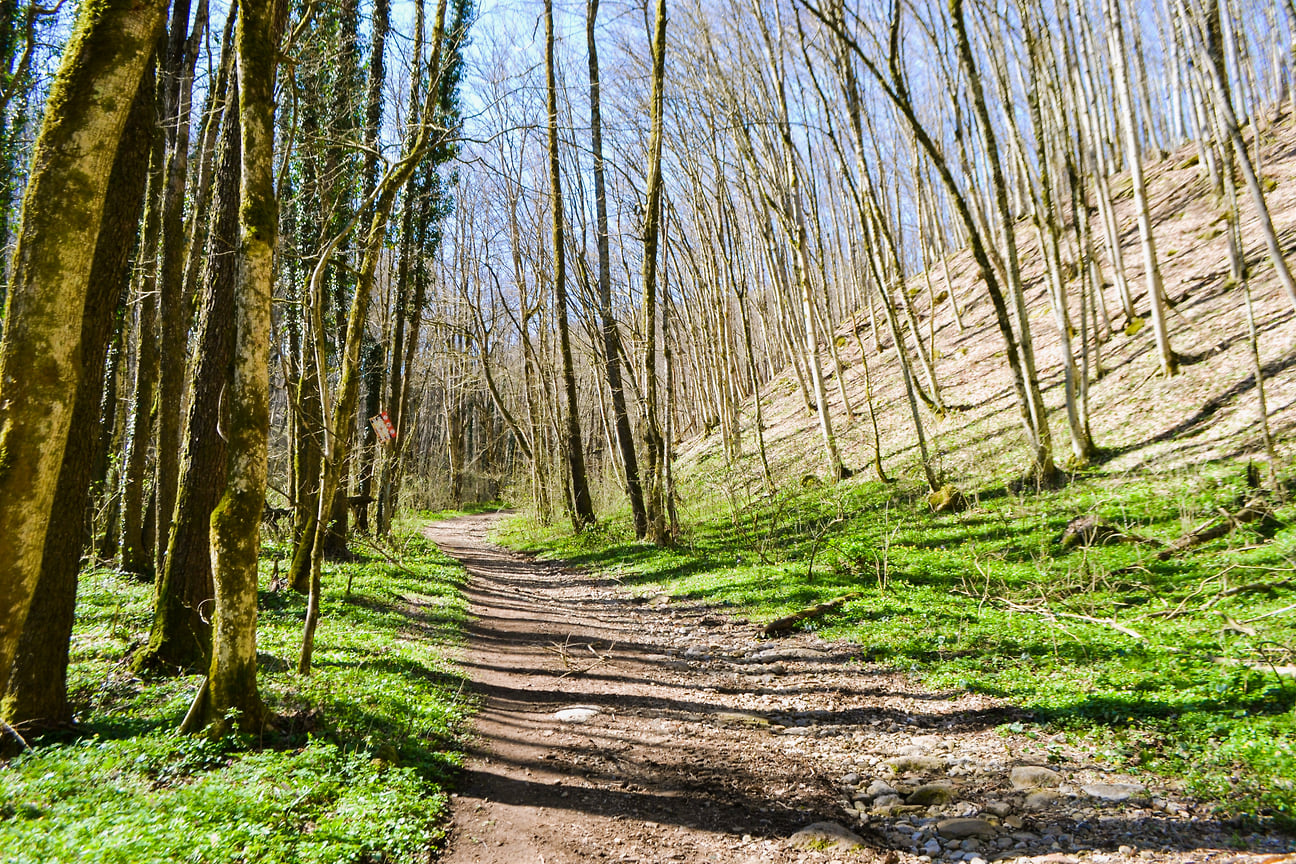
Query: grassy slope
column 354, row 773
column 983, row 599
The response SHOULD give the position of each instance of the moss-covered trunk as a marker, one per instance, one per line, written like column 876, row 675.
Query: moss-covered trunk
column 135, row 546
column 37, row 695
column 236, row 521
column 307, row 462
column 40, row 356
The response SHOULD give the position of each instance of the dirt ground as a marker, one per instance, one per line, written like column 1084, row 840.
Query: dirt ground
column 640, row 729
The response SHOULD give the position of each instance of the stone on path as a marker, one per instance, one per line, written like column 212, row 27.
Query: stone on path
column 1041, row 799
column 932, row 793
column 1034, row 777
column 961, row 828
column 998, row 808
column 915, row 764
column 576, row 714
column 770, row 655
column 1114, row 791
column 740, row 718
column 879, row 787
column 827, row 835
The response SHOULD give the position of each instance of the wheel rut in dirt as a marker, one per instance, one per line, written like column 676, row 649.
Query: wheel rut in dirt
column 621, row 728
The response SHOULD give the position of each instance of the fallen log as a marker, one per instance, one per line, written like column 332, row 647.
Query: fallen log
column 781, row 626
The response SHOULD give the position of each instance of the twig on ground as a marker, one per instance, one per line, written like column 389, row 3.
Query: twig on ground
column 1050, row 615
column 1281, row 611
column 601, row 659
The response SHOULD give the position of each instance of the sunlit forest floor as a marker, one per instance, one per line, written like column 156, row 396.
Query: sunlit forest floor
column 354, row 768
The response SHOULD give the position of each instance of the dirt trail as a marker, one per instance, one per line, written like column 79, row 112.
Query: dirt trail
column 619, row 729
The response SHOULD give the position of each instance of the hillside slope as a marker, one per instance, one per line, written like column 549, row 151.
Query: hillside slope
column 1139, row 419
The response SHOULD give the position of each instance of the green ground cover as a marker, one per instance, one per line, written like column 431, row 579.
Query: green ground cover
column 354, row 771
column 1159, row 665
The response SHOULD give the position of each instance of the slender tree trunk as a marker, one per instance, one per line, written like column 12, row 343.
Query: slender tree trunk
column 231, row 688
column 177, row 73
column 611, row 336
column 338, row 420
column 1041, row 438
column 1236, row 246
column 654, row 445
column 1134, row 156
column 409, row 309
column 582, row 513
column 135, row 547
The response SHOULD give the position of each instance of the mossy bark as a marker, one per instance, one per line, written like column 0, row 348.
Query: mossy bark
column 236, row 521
column 40, row 356
column 135, row 546
column 307, row 462
column 37, row 696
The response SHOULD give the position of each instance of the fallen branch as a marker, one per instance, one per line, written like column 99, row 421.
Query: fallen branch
column 1256, row 510
column 1266, row 587
column 780, row 626
column 1053, row 616
column 1281, row 611
column 1105, row 622
column 6, row 729
column 1049, row 615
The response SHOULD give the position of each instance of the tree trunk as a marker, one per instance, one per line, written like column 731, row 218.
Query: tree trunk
column 654, row 446
column 236, row 521
column 1038, row 427
column 611, row 335
column 40, row 355
column 582, row 505
column 1133, row 155
column 136, row 545
column 180, row 636
column 37, row 696
column 339, row 419
column 176, row 85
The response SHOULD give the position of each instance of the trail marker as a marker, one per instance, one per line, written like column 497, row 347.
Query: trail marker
column 383, row 427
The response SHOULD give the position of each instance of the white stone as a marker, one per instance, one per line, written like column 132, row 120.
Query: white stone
column 576, row 714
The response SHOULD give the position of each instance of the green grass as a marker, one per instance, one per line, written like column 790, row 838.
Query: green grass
column 956, row 599
column 466, row 510
column 355, row 771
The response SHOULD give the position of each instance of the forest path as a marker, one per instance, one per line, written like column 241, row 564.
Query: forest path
column 622, row 730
